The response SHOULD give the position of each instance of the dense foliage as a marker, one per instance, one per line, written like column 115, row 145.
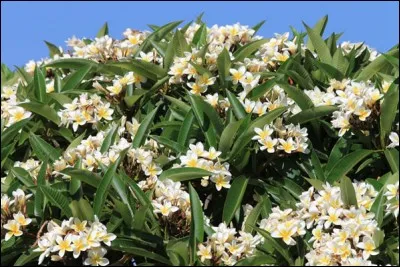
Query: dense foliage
column 202, row 146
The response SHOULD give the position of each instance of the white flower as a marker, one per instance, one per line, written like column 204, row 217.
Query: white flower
column 165, row 209
column 13, row 228
column 96, row 257
column 394, row 138
column 204, row 252
column 20, row 218
column 63, row 245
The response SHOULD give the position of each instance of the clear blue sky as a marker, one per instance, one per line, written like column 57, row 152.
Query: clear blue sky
column 24, row 25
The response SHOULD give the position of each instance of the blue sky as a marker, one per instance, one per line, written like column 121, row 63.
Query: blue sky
column 24, row 25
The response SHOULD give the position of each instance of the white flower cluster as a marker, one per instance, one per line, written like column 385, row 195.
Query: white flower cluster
column 277, row 136
column 10, row 111
column 85, row 109
column 356, row 100
column 15, row 209
column 347, row 47
column 170, row 198
column 341, row 235
column 32, row 166
column 75, row 236
column 89, row 149
column 225, row 247
column 392, row 196
column 198, row 157
column 271, row 100
column 127, row 79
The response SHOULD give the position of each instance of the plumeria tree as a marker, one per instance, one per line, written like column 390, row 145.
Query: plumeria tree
column 197, row 145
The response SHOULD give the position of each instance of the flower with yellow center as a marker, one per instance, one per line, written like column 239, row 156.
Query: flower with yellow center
column 13, row 229
column 263, row 133
column 220, row 181
column 368, row 247
column 165, row 209
column 362, row 113
column 96, row 257
column 116, row 88
column 17, row 114
column 285, row 233
column 63, row 245
column 333, row 217
column 20, row 218
column 237, row 75
column 197, row 88
column 204, row 252
column 78, row 225
column 79, row 245
column 268, row 144
column 287, row 145
column 8, row 92
column 104, row 112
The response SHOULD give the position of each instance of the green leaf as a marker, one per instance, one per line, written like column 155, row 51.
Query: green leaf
column 183, row 136
column 378, row 207
column 248, row 49
column 82, row 210
column 257, row 260
column 197, row 223
column 53, row 50
column 42, row 149
column 102, row 190
column 23, row 175
column 183, row 174
column 346, row 164
column 319, row 45
column 27, row 257
column 228, row 137
column 131, row 248
column 76, row 78
column 316, row 163
column 207, row 118
column 159, row 34
column 9, row 133
column 257, row 26
column 77, row 141
column 39, row 197
column 392, row 156
column 319, row 28
column 103, row 31
column 85, row 176
column 311, row 114
column 42, row 110
column 238, row 108
column 317, row 184
column 57, row 199
column 389, row 107
column 234, row 198
column 329, row 70
column 339, row 61
column 375, row 66
column 223, row 65
column 71, row 63
column 337, row 152
column 168, row 143
column 298, row 96
column 200, row 37
column 252, row 218
column 39, row 85
column 109, row 139
column 144, row 128
column 347, row 192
